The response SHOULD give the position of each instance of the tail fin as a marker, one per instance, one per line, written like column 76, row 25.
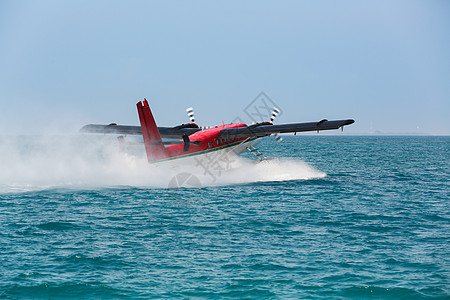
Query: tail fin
column 152, row 139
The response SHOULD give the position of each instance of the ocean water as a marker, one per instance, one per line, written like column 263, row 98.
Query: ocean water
column 335, row 217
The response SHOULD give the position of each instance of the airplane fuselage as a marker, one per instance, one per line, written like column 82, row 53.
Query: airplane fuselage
column 209, row 141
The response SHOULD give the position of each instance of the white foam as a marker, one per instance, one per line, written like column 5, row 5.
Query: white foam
column 270, row 170
column 87, row 161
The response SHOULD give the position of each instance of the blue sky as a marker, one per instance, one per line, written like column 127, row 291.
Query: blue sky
column 66, row 63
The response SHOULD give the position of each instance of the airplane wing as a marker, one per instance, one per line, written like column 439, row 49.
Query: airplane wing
column 255, row 130
column 176, row 132
column 266, row 128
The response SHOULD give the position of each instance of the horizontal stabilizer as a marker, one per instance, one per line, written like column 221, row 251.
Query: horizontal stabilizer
column 197, row 143
column 186, row 142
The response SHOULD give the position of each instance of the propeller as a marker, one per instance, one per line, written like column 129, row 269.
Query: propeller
column 275, row 112
column 190, row 113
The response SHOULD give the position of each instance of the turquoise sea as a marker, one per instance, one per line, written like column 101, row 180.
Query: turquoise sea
column 334, row 217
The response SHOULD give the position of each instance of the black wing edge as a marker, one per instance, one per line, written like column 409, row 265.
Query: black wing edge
column 176, row 132
column 258, row 130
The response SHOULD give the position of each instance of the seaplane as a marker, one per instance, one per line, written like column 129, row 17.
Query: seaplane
column 190, row 140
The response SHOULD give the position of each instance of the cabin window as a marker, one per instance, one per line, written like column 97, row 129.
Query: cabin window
column 217, row 142
column 209, row 144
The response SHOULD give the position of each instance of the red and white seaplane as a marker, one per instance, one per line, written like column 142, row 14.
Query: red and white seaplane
column 191, row 140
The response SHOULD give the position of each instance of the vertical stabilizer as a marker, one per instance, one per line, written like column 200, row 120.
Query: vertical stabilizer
column 152, row 139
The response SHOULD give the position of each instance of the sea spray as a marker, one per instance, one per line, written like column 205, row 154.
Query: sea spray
column 41, row 162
